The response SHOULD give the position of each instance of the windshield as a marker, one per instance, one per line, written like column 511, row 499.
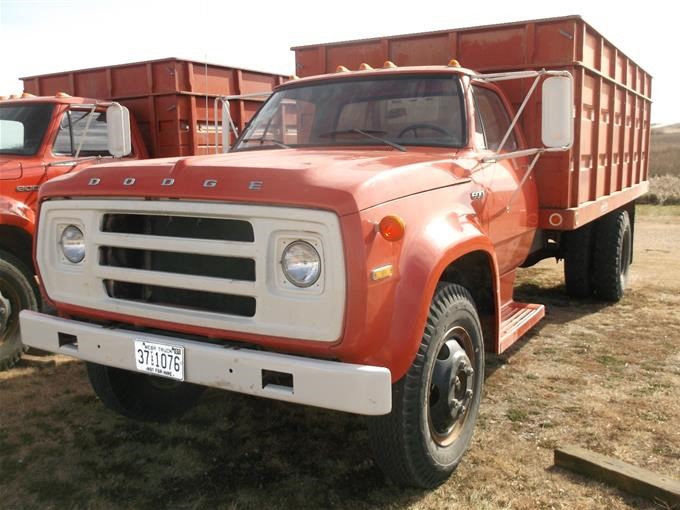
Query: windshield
column 395, row 111
column 22, row 127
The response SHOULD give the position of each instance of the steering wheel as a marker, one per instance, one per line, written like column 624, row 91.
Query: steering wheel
column 416, row 127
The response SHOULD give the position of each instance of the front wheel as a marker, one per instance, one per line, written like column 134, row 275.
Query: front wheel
column 18, row 291
column 435, row 405
column 140, row 396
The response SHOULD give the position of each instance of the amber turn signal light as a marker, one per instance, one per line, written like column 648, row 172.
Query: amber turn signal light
column 392, row 228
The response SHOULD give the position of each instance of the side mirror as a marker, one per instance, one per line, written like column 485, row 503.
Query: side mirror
column 118, row 129
column 557, row 120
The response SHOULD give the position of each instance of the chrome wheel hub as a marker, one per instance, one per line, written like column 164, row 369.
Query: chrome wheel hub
column 451, row 389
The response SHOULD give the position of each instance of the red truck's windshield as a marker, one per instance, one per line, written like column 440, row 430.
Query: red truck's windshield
column 23, row 126
column 423, row 110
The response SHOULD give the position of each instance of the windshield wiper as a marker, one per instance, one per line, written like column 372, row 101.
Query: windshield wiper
column 368, row 133
column 270, row 140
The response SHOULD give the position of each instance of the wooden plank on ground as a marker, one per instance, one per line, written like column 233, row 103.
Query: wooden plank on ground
column 629, row 478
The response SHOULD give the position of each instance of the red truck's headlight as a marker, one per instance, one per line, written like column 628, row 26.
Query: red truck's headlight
column 73, row 244
column 301, row 264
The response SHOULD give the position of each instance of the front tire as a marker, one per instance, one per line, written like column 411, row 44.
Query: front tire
column 140, row 396
column 18, row 291
column 435, row 405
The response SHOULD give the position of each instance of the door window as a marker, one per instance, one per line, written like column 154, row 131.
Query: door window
column 495, row 121
column 72, row 133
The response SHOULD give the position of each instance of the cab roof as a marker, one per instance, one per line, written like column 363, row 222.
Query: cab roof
column 388, row 69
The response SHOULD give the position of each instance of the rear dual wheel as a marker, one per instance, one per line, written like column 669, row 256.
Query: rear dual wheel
column 612, row 253
column 597, row 257
column 435, row 405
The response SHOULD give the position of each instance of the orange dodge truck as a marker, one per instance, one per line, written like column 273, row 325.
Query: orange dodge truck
column 173, row 114
column 357, row 248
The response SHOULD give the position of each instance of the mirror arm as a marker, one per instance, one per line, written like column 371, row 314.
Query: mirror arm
column 87, row 126
column 524, row 179
column 519, row 112
column 226, row 117
column 511, row 155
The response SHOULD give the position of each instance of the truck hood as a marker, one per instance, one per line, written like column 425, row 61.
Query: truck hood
column 344, row 181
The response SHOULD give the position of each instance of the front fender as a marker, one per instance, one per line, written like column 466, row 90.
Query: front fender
column 17, row 214
column 386, row 318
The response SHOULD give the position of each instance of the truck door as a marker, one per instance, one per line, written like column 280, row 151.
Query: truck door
column 509, row 214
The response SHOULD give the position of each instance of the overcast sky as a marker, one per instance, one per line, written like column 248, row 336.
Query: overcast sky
column 43, row 36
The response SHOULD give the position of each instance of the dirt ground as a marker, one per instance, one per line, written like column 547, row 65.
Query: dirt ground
column 604, row 377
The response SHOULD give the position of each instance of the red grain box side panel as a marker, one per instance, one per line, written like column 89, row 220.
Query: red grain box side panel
column 171, row 99
column 612, row 124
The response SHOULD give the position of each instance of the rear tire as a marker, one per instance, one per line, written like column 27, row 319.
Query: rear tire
column 435, row 405
column 612, row 251
column 140, row 396
column 577, row 253
column 18, row 291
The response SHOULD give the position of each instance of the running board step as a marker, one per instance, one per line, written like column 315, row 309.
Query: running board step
column 517, row 319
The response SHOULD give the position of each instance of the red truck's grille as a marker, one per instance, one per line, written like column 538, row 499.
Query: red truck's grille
column 179, row 226
column 233, row 268
column 182, row 298
column 203, row 264
column 228, row 268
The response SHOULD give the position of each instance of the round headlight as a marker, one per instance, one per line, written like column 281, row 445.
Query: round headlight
column 73, row 244
column 301, row 264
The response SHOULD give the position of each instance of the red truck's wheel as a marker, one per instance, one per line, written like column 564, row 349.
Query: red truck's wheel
column 140, row 396
column 577, row 252
column 435, row 406
column 18, row 291
column 612, row 251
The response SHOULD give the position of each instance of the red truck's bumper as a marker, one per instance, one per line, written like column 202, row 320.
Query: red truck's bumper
column 360, row 389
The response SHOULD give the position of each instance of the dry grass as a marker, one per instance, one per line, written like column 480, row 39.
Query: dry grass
column 663, row 190
column 664, row 156
column 604, row 377
column 664, row 167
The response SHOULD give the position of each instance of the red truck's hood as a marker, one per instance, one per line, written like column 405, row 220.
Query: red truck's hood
column 344, row 181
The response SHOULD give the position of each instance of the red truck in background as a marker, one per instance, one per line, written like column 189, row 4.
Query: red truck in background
column 358, row 247
column 173, row 105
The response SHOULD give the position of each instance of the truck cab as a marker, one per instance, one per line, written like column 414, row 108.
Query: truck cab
column 40, row 138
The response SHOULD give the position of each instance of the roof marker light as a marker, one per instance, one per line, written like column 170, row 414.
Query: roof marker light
column 365, row 67
column 62, row 94
column 341, row 69
column 389, row 64
column 453, row 63
column 392, row 228
column 26, row 95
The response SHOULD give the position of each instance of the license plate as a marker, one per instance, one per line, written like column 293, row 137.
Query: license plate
column 160, row 359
